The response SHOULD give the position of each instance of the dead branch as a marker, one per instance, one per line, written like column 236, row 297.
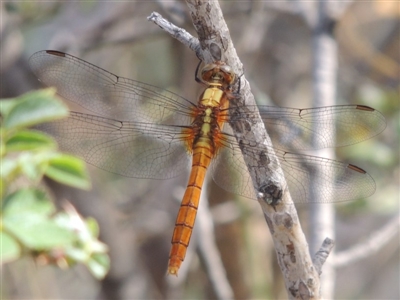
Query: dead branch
column 301, row 277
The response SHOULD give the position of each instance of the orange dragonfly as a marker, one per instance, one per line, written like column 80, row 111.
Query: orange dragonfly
column 139, row 130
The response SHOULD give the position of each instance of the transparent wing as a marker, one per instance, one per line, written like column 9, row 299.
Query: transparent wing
column 335, row 181
column 317, row 128
column 149, row 141
column 107, row 94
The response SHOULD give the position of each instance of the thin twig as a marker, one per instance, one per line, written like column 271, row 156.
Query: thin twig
column 176, row 32
column 322, row 254
column 376, row 241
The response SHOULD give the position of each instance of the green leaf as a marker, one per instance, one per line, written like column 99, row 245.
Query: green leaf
column 96, row 246
column 31, row 165
column 26, row 216
column 36, row 232
column 9, row 248
column 8, row 167
column 29, row 140
column 98, row 265
column 33, row 108
column 75, row 254
column 2, row 190
column 68, row 170
column 6, row 105
column 93, row 227
column 2, row 145
column 28, row 201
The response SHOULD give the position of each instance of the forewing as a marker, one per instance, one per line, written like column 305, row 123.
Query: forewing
column 107, row 94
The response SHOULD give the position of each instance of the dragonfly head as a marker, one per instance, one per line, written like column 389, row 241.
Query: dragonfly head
column 218, row 73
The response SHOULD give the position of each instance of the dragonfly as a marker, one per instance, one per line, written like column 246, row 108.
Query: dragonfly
column 139, row 130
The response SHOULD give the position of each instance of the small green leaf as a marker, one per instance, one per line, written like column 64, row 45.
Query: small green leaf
column 30, row 165
column 36, row 232
column 6, row 105
column 9, row 248
column 26, row 216
column 75, row 254
column 2, row 191
column 33, row 108
column 93, row 227
column 29, row 140
column 8, row 167
column 98, row 265
column 96, row 246
column 2, row 145
column 68, row 170
column 28, row 201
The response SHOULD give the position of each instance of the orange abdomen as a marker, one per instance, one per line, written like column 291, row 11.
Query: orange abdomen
column 202, row 155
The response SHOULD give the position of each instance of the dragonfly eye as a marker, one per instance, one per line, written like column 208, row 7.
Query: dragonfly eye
column 218, row 71
column 228, row 74
column 207, row 71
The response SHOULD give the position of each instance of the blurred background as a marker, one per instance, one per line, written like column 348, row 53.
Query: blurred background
column 137, row 216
